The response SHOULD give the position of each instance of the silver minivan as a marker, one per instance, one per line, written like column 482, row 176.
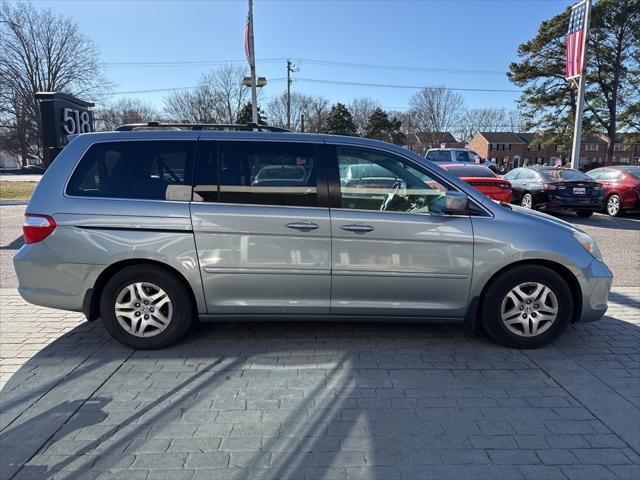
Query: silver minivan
column 152, row 228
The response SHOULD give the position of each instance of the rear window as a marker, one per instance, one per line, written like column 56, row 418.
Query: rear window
column 633, row 171
column 439, row 155
column 471, row 171
column 564, row 175
column 134, row 169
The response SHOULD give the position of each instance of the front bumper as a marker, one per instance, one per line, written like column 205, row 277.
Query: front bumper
column 596, row 285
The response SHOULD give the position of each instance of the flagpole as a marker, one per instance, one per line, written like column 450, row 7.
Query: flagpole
column 254, row 94
column 582, row 81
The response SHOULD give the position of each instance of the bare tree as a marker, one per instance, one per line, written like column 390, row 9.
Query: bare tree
column 436, row 110
column 41, row 51
column 317, row 114
column 230, row 94
column 218, row 98
column 277, row 110
column 476, row 120
column 313, row 109
column 124, row 110
column 361, row 110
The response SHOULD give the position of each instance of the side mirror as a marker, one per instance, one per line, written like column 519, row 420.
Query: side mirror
column 456, row 203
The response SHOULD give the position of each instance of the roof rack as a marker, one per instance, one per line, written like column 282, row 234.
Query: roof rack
column 200, row 126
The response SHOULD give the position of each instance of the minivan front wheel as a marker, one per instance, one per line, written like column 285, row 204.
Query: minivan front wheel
column 146, row 307
column 527, row 307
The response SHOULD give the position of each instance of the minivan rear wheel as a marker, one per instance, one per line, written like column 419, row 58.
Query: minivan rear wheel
column 146, row 307
column 527, row 307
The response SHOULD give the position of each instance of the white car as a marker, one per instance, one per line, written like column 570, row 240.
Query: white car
column 455, row 155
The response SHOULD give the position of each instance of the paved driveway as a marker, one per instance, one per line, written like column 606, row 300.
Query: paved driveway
column 310, row 400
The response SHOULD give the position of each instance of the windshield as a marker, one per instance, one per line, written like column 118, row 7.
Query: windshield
column 564, row 175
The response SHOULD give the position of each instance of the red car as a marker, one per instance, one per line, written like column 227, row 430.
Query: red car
column 482, row 179
column 621, row 186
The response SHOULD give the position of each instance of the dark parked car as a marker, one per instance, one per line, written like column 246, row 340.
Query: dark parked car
column 553, row 189
column 482, row 179
column 621, row 188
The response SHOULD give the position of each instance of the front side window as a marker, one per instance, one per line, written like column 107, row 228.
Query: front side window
column 374, row 180
column 149, row 170
column 267, row 173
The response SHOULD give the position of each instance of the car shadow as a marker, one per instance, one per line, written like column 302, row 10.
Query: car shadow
column 277, row 400
column 14, row 245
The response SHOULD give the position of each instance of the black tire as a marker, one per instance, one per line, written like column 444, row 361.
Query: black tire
column 502, row 285
column 527, row 201
column 181, row 303
column 584, row 213
column 613, row 206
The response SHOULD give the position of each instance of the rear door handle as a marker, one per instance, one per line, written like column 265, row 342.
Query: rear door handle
column 357, row 228
column 302, row 226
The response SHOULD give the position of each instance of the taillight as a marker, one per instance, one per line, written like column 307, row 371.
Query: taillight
column 36, row 228
column 553, row 187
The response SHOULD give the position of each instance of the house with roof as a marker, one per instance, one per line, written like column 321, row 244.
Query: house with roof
column 515, row 149
column 420, row 142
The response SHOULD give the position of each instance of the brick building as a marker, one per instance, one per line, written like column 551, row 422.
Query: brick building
column 520, row 149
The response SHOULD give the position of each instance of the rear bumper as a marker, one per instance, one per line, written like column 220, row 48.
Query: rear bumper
column 560, row 202
column 45, row 280
column 595, row 285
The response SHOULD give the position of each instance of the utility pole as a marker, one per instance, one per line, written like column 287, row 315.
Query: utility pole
column 249, row 46
column 582, row 81
column 290, row 68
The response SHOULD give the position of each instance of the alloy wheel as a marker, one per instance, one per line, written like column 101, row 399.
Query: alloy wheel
column 143, row 309
column 527, row 201
column 529, row 309
column 613, row 205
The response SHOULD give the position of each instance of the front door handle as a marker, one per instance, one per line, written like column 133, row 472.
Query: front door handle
column 357, row 228
column 302, row 226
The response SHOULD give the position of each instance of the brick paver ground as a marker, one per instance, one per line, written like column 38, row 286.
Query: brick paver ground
column 310, row 401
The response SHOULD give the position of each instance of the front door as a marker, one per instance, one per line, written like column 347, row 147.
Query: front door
column 263, row 239
column 393, row 250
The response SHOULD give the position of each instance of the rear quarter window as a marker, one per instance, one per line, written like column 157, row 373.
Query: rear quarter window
column 147, row 170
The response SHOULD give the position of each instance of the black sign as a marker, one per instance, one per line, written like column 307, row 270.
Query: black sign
column 62, row 115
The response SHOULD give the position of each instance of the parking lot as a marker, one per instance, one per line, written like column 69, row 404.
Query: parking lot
column 322, row 400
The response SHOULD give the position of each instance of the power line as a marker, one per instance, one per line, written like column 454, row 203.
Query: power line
column 186, row 63
column 410, row 87
column 341, row 82
column 175, row 89
column 309, row 61
column 370, row 66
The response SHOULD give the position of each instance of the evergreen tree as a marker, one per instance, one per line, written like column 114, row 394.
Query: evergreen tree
column 548, row 101
column 340, row 121
column 244, row 115
column 380, row 127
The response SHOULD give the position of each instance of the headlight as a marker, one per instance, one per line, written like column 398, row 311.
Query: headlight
column 589, row 244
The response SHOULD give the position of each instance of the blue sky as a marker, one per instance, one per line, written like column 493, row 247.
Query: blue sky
column 477, row 36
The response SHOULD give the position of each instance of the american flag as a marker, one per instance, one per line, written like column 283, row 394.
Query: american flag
column 575, row 39
column 248, row 44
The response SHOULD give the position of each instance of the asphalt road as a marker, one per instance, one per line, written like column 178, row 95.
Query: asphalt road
column 618, row 238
